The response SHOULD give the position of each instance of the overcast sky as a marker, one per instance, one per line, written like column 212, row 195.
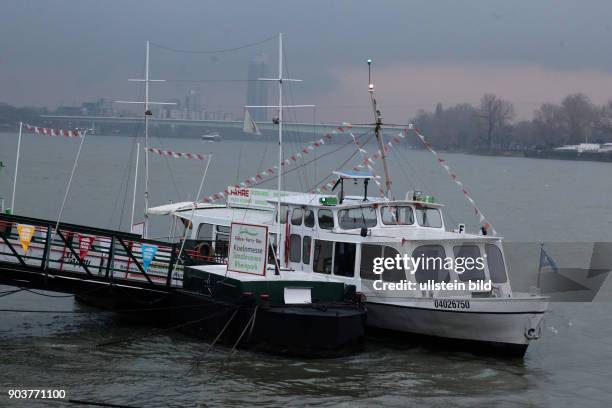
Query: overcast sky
column 69, row 51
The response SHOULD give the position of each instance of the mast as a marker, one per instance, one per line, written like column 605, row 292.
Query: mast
column 147, row 112
column 135, row 185
column 280, row 107
column 146, row 120
column 377, row 130
column 280, row 147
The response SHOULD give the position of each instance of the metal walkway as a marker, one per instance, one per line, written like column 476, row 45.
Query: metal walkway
column 77, row 259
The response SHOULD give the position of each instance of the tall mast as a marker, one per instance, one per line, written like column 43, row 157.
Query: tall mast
column 378, row 131
column 280, row 140
column 280, row 107
column 147, row 112
column 146, row 120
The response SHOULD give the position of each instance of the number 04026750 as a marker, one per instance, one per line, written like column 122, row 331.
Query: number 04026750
column 36, row 393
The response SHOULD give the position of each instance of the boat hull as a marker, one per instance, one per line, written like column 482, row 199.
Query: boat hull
column 308, row 330
column 499, row 326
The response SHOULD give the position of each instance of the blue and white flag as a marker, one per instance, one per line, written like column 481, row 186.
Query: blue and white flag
column 148, row 254
column 546, row 260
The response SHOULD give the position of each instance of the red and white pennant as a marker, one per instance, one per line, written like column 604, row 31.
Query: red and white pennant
column 52, row 132
column 178, row 155
column 483, row 221
column 271, row 171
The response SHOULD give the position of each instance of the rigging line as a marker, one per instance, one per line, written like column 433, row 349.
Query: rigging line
column 124, row 177
column 347, row 160
column 307, row 163
column 127, row 184
column 238, row 168
column 297, row 146
column 163, row 47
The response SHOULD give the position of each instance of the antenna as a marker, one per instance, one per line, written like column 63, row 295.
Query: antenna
column 378, row 124
column 280, row 108
column 147, row 113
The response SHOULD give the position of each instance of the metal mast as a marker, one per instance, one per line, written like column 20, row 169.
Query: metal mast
column 377, row 129
column 147, row 113
column 280, row 107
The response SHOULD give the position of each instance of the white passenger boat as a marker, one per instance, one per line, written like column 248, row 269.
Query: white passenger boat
column 338, row 238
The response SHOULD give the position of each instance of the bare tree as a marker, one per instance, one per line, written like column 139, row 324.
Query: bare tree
column 496, row 113
column 579, row 115
column 549, row 124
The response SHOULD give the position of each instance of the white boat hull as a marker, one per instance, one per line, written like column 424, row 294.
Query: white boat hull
column 511, row 323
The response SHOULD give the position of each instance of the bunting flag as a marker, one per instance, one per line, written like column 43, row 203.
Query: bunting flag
column 483, row 221
column 85, row 244
column 368, row 164
column 273, row 170
column 52, row 132
column 25, row 232
column 178, row 155
column 148, row 254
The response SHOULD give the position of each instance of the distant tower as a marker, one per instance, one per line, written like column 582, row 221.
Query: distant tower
column 257, row 91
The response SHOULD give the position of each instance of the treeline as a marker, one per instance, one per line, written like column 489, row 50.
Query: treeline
column 491, row 125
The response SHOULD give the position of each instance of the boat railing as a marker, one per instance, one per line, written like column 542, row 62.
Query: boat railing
column 34, row 245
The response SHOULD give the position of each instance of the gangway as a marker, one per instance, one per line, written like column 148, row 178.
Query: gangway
column 79, row 260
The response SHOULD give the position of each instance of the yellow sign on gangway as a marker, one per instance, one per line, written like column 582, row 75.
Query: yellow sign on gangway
column 26, row 232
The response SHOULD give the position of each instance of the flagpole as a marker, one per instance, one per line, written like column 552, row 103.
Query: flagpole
column 74, row 166
column 16, row 169
column 135, row 185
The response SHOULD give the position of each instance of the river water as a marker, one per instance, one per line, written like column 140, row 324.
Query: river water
column 525, row 199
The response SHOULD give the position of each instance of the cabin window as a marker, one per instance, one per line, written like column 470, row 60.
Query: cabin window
column 306, row 250
column 402, row 215
column 323, row 255
column 431, row 267
column 368, row 253
column 273, row 250
column 344, row 259
column 284, row 214
column 357, row 218
column 295, row 248
column 309, row 218
column 326, row 219
column 469, row 252
column 429, row 217
column 205, row 232
column 296, row 217
column 495, row 260
column 395, row 274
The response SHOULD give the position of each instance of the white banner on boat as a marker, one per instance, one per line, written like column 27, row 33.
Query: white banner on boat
column 253, row 197
column 248, row 251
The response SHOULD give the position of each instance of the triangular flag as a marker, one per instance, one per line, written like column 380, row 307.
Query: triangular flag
column 26, row 232
column 85, row 243
column 249, row 124
column 148, row 254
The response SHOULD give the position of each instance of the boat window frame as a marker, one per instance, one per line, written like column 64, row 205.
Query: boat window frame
column 319, row 211
column 503, row 264
column 315, row 257
column 305, row 218
column 385, row 206
column 418, row 208
column 301, row 220
column 483, row 270
column 374, row 210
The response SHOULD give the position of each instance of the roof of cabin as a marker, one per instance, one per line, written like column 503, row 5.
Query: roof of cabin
column 312, row 200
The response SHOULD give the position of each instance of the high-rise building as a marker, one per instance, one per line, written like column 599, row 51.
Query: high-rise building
column 257, row 91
